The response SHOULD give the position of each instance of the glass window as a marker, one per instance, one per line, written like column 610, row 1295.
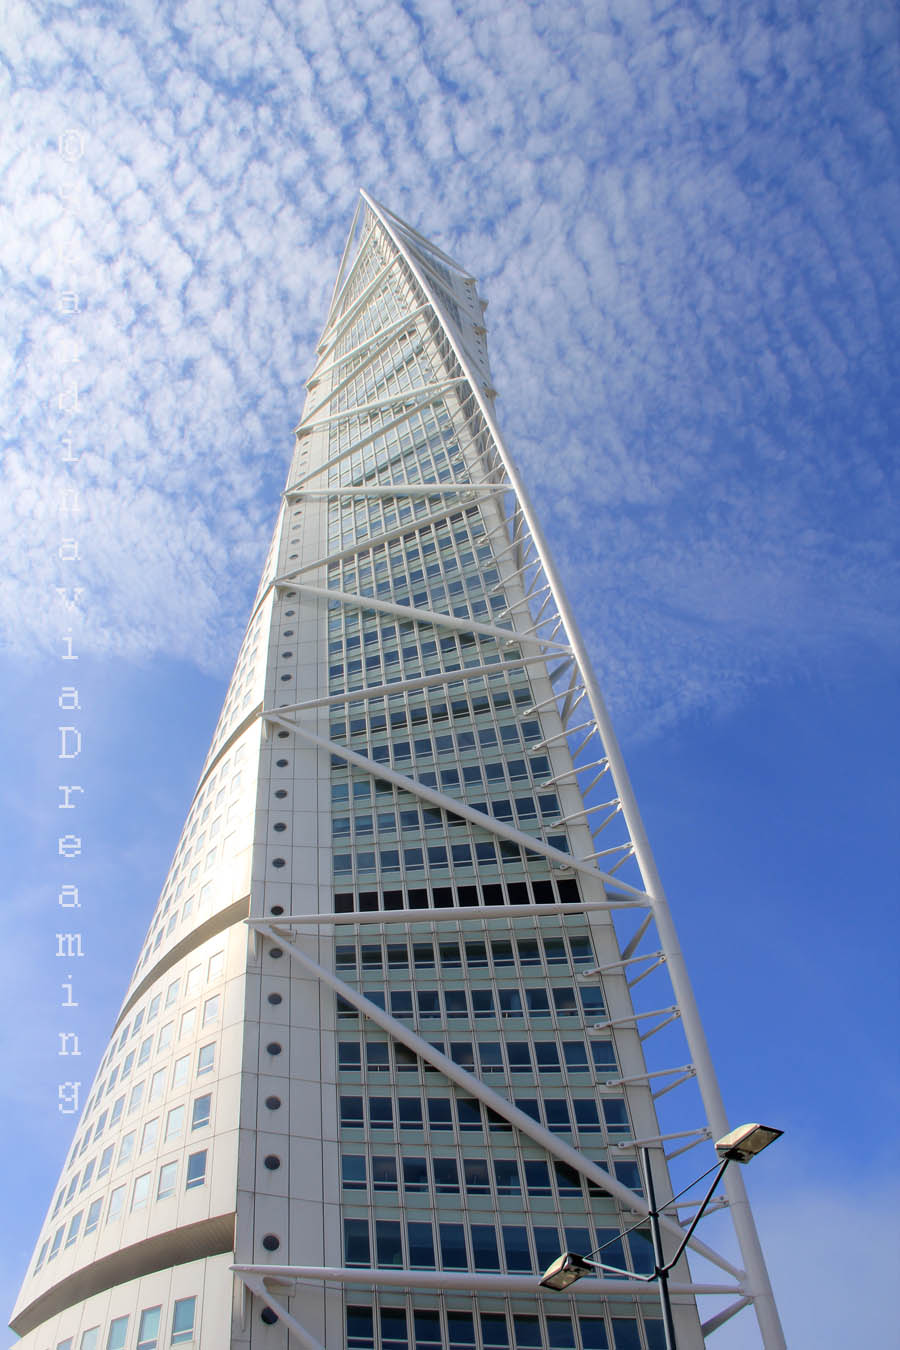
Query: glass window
column 460, row 1330
column 613, row 1252
column 494, row 1331
column 655, row 1333
column 427, row 1328
column 557, row 1110
column 469, row 1113
column 388, row 1243
column 560, row 1333
column 174, row 1122
column 90, row 1339
column 353, row 1172
column 360, row 1329
column 74, row 1225
column 201, row 1111
column 568, row 1182
column 625, row 1333
column 586, row 1116
column 515, row 1246
column 93, row 1215
column 377, row 1056
column 537, row 1177
column 484, row 1247
column 157, row 1085
column 477, row 1176
column 384, row 1173
column 126, row 1147
column 453, row 1246
column 446, row 1181
column 547, row 1056
column 116, row 1201
column 381, row 1113
column 393, row 1329
column 148, row 1329
column 356, row 1242
column 118, row 1333
column 576, row 1056
column 415, row 1174
column 547, row 1245
column 439, row 1117
column 180, row 1071
column 351, row 1112
column 211, row 1010
column 167, row 1175
column 183, row 1320
column 206, row 1059
column 349, row 1059
column 593, row 1333
column 519, row 1054
column 196, row 1170
column 506, row 1176
column 604, row 1056
column 141, row 1192
column 615, row 1115
column 527, row 1330
column 640, row 1245
column 510, row 1002
column 629, row 1175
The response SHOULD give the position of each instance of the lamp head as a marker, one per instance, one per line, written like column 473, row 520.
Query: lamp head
column 746, row 1141
column 565, row 1270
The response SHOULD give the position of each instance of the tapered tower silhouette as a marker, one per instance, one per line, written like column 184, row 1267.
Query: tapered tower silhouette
column 380, row 1061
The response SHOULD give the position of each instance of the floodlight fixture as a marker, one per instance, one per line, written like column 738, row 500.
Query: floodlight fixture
column 745, row 1142
column 565, row 1270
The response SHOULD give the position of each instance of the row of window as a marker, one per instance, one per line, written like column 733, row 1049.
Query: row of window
column 505, row 954
column 506, row 1057
column 155, row 1086
column 501, row 1177
column 412, row 820
column 150, row 1136
column 376, row 631
column 534, row 1001
column 195, row 1175
column 562, row 890
column 387, row 862
column 410, row 823
column 407, row 1114
column 396, row 1328
column 149, row 1330
column 517, row 1249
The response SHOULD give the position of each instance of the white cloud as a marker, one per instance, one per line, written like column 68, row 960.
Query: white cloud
column 689, row 302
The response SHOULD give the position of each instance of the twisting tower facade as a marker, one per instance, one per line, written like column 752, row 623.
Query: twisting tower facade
column 383, row 1055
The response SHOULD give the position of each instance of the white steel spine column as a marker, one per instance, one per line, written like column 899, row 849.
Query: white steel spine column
column 759, row 1285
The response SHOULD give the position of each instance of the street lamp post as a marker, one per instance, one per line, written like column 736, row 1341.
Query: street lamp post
column 740, row 1146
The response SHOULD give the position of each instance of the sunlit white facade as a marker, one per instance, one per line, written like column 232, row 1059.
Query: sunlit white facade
column 379, row 1060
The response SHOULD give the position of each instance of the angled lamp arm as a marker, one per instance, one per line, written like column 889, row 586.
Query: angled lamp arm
column 699, row 1215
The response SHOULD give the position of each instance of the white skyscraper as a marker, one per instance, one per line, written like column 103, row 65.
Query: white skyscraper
column 379, row 1061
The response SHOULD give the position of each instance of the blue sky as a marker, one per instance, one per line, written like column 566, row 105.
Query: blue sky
column 686, row 220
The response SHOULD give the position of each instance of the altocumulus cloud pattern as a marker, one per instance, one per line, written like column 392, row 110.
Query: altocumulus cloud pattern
column 685, row 218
